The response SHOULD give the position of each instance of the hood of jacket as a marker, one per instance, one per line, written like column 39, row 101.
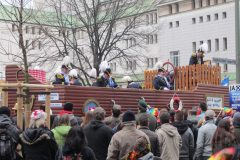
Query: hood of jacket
column 169, row 129
column 34, row 135
column 181, row 127
column 5, row 120
column 96, row 124
column 62, row 130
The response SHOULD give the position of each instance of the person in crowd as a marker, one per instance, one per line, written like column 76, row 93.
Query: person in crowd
column 223, row 137
column 124, row 140
column 142, row 109
column 73, row 76
column 205, row 136
column 160, row 82
column 141, row 151
column 172, row 116
column 143, row 121
column 75, row 147
column 191, row 125
column 115, row 119
column 61, row 76
column 131, row 83
column 38, row 141
column 197, row 58
column 87, row 119
column 187, row 149
column 202, row 109
column 98, row 134
column 60, row 132
column 106, row 80
column 9, row 138
column 67, row 109
column 169, row 139
column 236, row 124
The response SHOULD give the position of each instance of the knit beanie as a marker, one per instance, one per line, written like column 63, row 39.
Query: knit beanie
column 68, row 106
column 143, row 104
column 236, row 119
column 128, row 117
column 5, row 110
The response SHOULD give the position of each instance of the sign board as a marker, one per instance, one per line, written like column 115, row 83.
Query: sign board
column 224, row 60
column 54, row 97
column 56, row 105
column 234, row 96
column 214, row 101
column 90, row 104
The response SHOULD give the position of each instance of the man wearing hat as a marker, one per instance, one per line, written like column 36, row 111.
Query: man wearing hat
column 124, row 141
column 205, row 136
column 142, row 109
column 160, row 82
column 197, row 58
column 106, row 80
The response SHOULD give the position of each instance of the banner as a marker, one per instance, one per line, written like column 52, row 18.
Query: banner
column 234, row 96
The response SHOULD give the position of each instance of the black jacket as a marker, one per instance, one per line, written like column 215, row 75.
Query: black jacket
column 86, row 153
column 187, row 149
column 98, row 137
column 159, row 83
column 153, row 137
column 102, row 82
column 194, row 60
column 38, row 144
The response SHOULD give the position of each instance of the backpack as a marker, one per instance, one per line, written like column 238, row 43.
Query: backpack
column 7, row 145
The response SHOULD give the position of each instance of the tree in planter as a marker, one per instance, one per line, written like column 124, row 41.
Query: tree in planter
column 92, row 31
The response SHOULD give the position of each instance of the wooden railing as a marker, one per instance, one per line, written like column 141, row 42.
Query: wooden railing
column 188, row 77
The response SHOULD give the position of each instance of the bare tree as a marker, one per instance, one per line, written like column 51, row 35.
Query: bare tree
column 96, row 30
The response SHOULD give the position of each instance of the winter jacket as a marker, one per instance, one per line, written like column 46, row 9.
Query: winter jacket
column 160, row 83
column 112, row 121
column 124, row 141
column 102, row 82
column 153, row 140
column 194, row 130
column 187, row 149
column 152, row 120
column 204, row 140
column 237, row 134
column 169, row 142
column 38, row 144
column 86, row 153
column 98, row 137
column 60, row 134
column 195, row 60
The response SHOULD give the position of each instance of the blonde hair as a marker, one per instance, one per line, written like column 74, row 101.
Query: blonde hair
column 36, row 123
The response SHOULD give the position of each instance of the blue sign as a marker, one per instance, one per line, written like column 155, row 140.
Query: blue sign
column 90, row 105
column 234, row 96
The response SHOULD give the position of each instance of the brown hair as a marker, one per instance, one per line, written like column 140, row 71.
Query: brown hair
column 88, row 118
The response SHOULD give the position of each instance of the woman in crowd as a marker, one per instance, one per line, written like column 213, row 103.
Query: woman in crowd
column 75, row 147
column 87, row 119
column 60, row 132
column 223, row 137
column 37, row 141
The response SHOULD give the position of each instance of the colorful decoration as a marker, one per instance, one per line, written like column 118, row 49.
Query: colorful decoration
column 153, row 111
column 224, row 154
column 228, row 111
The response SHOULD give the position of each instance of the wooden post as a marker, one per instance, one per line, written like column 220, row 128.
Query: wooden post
column 47, row 106
column 19, row 107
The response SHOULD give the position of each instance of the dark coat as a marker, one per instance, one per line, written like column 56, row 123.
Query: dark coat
column 98, row 137
column 102, row 82
column 187, row 149
column 237, row 134
column 153, row 140
column 159, row 83
column 86, row 153
column 194, row 60
column 59, row 79
column 38, row 144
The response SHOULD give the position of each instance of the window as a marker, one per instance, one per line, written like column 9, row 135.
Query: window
column 151, row 39
column 209, row 45
column 224, row 15
column 175, row 58
column 170, row 9
column 113, row 66
column 225, row 67
column 170, row 24
column 216, row 44
column 59, row 33
column 215, row 2
column 40, row 31
column 147, row 19
column 150, row 62
column 151, row 18
column 217, row 64
column 155, row 18
column 155, row 38
column 14, row 27
column 208, row 18
column 39, row 45
column 208, row 3
column 225, row 44
column 194, row 46
column 200, row 3
column 177, row 7
column 26, row 43
column 33, row 44
column 33, row 30
column 26, row 29
column 131, row 65
column 201, row 42
column 134, row 66
column 193, row 4
column 147, row 39
column 193, row 20
column 177, row 23
column 156, row 60
column 68, row 33
column 215, row 16
column 201, row 19
column 224, row 1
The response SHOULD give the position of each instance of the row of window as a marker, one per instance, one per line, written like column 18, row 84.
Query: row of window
column 216, row 17
column 176, row 24
column 33, row 44
column 151, row 18
column 151, row 62
column 152, row 39
column 208, row 3
column 130, row 42
column 32, row 29
column 209, row 42
column 131, row 65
